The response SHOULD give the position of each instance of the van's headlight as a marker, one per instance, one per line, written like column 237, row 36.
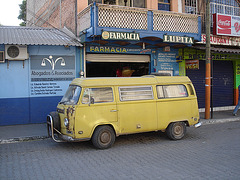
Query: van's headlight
column 66, row 122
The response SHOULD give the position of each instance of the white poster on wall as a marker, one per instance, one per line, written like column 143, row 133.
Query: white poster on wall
column 51, row 75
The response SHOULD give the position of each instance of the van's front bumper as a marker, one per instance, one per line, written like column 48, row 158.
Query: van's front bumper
column 57, row 136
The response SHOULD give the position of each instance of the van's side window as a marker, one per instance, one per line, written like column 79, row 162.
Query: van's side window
column 171, row 91
column 190, row 89
column 98, row 95
column 133, row 93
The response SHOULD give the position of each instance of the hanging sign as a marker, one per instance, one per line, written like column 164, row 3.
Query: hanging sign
column 178, row 39
column 128, row 36
column 192, row 64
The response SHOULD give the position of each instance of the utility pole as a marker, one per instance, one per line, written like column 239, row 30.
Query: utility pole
column 208, row 63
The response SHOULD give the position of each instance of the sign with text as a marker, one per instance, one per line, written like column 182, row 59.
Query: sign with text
column 116, row 50
column 167, row 57
column 178, row 39
column 226, row 25
column 221, row 40
column 50, row 75
column 192, row 64
column 128, row 36
column 193, row 54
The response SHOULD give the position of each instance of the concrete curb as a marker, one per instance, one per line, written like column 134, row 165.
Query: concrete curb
column 217, row 121
column 22, row 139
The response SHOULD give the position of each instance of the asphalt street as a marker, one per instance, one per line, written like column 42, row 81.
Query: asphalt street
column 209, row 152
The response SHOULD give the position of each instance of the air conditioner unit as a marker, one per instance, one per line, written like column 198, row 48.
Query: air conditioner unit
column 16, row 52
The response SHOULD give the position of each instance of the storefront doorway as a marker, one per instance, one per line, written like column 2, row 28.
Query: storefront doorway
column 110, row 69
column 222, row 86
column 117, row 65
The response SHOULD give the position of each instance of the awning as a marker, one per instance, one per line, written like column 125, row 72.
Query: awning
column 220, row 50
column 117, row 58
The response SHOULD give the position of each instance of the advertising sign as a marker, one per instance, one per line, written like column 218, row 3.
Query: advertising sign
column 116, row 50
column 128, row 36
column 192, row 64
column 178, row 39
column 221, row 40
column 227, row 25
column 51, row 75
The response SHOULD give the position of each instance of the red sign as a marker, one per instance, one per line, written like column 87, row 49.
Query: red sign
column 226, row 25
column 192, row 64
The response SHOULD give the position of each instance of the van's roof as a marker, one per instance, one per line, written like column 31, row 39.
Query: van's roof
column 125, row 81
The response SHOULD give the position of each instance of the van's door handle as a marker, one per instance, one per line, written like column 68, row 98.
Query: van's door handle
column 113, row 110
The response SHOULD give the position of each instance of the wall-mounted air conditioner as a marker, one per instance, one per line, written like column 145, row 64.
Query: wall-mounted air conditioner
column 16, row 52
column 2, row 58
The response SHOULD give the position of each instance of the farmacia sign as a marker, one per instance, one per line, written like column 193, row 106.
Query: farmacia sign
column 128, row 36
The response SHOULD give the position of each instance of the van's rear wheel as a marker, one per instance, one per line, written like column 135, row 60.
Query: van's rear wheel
column 103, row 137
column 176, row 130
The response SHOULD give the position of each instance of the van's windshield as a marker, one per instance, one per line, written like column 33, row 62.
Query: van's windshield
column 72, row 95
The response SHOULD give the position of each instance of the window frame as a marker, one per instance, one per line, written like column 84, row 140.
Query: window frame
column 165, row 94
column 131, row 3
column 164, row 3
column 121, row 97
column 92, row 96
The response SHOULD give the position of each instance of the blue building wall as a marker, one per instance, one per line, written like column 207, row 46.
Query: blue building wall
column 26, row 96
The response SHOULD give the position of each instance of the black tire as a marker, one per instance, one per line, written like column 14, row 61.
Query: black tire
column 103, row 137
column 56, row 120
column 176, row 130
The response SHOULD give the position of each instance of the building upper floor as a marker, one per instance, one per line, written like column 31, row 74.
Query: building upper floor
column 150, row 24
column 69, row 13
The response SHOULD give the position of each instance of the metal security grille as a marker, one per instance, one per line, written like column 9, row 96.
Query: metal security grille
column 230, row 7
column 174, row 22
column 84, row 19
column 127, row 18
column 191, row 6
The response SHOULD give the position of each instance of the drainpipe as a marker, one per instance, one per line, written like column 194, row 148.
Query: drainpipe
column 76, row 13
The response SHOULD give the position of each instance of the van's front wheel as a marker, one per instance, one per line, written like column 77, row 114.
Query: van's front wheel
column 103, row 137
column 176, row 130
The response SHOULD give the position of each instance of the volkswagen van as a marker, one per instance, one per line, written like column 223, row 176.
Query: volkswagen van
column 100, row 109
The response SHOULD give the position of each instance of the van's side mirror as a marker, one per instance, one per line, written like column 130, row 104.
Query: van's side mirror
column 91, row 101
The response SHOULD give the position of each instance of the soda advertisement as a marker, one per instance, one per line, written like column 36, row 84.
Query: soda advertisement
column 227, row 25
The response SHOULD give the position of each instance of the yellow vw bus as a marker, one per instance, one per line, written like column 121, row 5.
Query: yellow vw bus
column 100, row 109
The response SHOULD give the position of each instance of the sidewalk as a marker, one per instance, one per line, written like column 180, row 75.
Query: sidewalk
column 28, row 132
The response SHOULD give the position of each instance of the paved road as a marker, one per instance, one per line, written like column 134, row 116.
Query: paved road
column 210, row 152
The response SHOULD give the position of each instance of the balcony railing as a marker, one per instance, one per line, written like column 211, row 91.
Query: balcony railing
column 97, row 17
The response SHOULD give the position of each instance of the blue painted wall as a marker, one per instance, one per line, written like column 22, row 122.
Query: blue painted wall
column 17, row 105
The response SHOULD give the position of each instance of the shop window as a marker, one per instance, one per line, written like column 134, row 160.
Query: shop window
column 139, row 3
column 110, row 2
column 91, row 1
column 164, row 5
column 134, row 93
column 171, row 91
